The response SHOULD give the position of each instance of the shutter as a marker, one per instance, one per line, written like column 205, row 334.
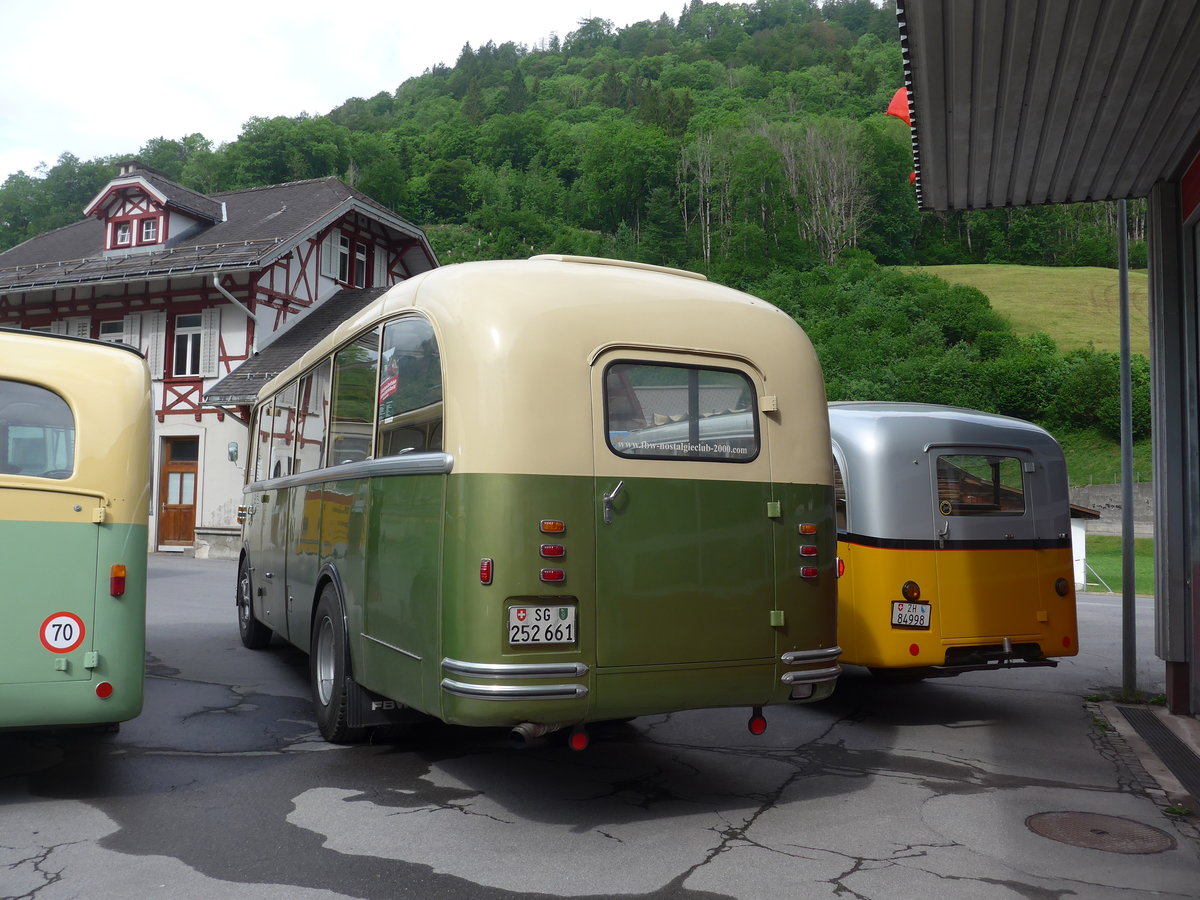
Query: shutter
column 131, row 332
column 155, row 347
column 381, row 258
column 79, row 326
column 329, row 256
column 210, row 341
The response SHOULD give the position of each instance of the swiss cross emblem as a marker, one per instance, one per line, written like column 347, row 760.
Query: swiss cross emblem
column 521, row 613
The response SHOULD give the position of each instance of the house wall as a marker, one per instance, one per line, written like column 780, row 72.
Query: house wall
column 277, row 296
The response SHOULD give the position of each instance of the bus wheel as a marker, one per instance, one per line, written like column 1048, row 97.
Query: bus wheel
column 328, row 669
column 255, row 635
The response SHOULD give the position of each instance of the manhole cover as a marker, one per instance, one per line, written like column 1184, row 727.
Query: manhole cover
column 1099, row 832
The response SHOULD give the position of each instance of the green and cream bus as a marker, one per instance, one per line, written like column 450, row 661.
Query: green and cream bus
column 75, row 419
column 540, row 493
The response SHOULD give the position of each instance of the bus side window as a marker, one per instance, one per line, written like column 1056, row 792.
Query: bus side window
column 839, row 496
column 352, row 418
column 282, row 427
column 410, row 389
column 262, row 440
column 310, row 418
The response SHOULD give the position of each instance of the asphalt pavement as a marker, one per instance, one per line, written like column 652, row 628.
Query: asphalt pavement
column 1031, row 783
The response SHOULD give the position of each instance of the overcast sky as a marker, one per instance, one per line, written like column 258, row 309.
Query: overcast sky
column 98, row 79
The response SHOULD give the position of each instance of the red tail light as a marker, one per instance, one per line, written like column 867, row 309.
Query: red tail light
column 485, row 571
column 552, row 551
column 553, row 575
column 808, row 571
column 116, row 580
column 104, row 690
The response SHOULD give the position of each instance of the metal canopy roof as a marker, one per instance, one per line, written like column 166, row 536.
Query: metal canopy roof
column 1025, row 102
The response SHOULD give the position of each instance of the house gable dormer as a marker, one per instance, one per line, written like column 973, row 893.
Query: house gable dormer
column 142, row 210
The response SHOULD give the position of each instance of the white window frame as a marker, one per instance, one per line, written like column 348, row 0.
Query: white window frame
column 112, row 331
column 150, row 231
column 122, row 234
column 192, row 335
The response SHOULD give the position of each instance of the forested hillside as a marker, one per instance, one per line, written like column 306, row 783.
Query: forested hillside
column 743, row 140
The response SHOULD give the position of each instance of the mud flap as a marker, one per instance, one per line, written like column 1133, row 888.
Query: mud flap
column 366, row 709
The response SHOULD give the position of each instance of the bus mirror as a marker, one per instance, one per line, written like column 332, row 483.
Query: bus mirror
column 233, row 451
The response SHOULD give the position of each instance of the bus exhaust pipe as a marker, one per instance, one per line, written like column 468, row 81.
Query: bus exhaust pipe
column 529, row 732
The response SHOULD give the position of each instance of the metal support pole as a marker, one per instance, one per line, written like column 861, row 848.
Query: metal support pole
column 1128, row 587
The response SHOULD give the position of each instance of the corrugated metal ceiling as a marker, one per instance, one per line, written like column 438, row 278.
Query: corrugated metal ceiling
column 1024, row 102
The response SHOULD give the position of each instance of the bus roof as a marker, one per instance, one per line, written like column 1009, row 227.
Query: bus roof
column 518, row 339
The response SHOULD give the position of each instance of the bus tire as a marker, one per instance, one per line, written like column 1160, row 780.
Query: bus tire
column 255, row 635
column 329, row 666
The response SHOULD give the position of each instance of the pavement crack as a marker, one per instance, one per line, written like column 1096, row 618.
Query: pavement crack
column 36, row 864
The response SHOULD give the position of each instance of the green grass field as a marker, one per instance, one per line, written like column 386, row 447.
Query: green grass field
column 1104, row 557
column 1075, row 306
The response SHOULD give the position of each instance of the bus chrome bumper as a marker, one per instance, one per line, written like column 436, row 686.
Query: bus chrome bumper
column 826, row 659
column 513, row 671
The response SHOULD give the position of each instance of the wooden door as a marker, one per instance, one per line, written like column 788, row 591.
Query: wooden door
column 177, row 492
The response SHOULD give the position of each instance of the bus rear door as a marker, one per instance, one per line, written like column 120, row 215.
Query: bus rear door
column 49, row 603
column 684, row 545
column 983, row 511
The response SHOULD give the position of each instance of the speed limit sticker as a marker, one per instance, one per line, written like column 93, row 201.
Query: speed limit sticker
column 62, row 632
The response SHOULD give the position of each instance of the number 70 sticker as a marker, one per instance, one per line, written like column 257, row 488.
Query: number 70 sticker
column 62, row 632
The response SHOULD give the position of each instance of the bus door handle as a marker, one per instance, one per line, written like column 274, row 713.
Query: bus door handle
column 608, row 502
column 944, row 530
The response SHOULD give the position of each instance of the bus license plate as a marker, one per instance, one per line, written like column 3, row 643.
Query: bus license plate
column 915, row 614
column 541, row 625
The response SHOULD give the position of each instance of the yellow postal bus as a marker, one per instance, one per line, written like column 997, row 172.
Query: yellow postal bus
column 535, row 494
column 955, row 536
column 74, row 503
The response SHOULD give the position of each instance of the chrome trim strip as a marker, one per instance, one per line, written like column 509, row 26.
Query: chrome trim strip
column 376, row 640
column 809, row 676
column 514, row 670
column 425, row 463
column 514, row 691
column 803, row 657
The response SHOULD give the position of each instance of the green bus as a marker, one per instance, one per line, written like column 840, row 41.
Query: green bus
column 534, row 494
column 75, row 420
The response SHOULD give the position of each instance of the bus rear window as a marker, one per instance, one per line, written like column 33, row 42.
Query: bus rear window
column 661, row 411
column 978, row 485
column 37, row 432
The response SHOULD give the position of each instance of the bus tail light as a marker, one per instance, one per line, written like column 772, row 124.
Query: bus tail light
column 552, row 526
column 552, row 551
column 911, row 591
column 808, row 571
column 485, row 571
column 104, row 690
column 116, row 580
column 808, row 550
column 1062, row 587
column 758, row 722
column 841, row 567
column 553, row 575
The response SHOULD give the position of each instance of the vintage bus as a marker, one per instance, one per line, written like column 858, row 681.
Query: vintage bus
column 954, row 538
column 495, row 497
column 75, row 419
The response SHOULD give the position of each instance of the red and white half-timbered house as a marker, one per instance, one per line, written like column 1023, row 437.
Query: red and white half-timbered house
column 202, row 284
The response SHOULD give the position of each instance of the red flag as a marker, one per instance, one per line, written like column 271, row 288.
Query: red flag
column 899, row 106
